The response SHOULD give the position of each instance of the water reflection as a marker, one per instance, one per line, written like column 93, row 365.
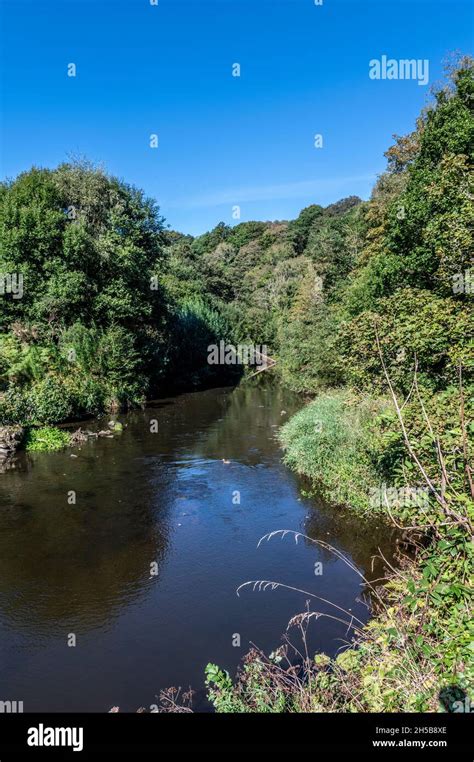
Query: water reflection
column 73, row 565
column 166, row 498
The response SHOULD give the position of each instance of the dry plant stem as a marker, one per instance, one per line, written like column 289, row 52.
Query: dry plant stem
column 401, row 526
column 317, row 614
column 263, row 584
column 391, row 567
column 439, row 498
column 464, row 434
column 326, row 546
column 413, row 454
column 267, row 367
column 436, row 441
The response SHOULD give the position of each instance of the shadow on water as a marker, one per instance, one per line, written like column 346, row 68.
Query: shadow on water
column 190, row 503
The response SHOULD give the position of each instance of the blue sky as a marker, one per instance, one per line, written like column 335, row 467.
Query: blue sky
column 223, row 140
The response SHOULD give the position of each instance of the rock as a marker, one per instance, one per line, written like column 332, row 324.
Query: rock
column 78, row 437
column 10, row 440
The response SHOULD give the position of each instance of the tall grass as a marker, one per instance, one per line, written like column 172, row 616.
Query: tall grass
column 333, row 442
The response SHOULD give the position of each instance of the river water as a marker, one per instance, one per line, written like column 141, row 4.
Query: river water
column 142, row 570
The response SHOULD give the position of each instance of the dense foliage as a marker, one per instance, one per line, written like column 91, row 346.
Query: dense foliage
column 368, row 305
column 93, row 327
column 396, row 327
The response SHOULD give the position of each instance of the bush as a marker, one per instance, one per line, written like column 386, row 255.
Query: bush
column 413, row 323
column 92, row 290
column 14, row 407
column 50, row 401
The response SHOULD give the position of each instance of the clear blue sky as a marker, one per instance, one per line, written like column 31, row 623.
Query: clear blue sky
column 223, row 140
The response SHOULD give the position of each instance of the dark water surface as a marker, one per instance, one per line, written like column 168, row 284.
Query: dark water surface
column 166, row 498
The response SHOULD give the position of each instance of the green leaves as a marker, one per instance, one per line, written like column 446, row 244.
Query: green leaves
column 87, row 246
column 46, row 439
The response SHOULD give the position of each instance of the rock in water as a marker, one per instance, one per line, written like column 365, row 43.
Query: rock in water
column 10, row 439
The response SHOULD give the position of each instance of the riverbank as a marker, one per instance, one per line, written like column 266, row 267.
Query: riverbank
column 14, row 439
column 386, row 314
column 415, row 654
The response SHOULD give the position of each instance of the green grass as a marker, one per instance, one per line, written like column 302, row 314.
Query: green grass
column 46, row 439
column 333, row 442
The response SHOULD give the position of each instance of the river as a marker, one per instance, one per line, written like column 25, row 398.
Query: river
column 142, row 571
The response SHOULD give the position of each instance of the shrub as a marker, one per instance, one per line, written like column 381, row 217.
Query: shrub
column 14, row 407
column 49, row 401
column 411, row 323
column 46, row 439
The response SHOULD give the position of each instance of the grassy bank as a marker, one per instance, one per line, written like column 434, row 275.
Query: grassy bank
column 334, row 441
column 416, row 654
